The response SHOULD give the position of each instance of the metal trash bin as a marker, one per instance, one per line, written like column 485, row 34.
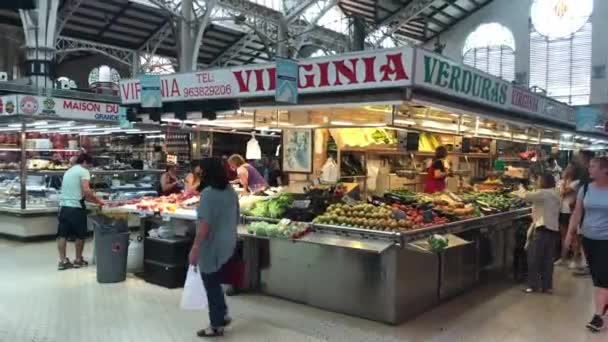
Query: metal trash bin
column 111, row 248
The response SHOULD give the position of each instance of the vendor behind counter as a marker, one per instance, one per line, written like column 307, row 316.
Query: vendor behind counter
column 437, row 172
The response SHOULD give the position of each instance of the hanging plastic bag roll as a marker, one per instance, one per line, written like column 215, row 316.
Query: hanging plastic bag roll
column 194, row 296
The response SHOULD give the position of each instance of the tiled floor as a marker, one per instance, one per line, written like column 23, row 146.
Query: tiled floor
column 39, row 304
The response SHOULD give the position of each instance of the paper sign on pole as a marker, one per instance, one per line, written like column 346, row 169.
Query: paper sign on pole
column 287, row 81
column 150, row 91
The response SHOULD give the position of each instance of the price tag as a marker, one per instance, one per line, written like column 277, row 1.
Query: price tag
column 301, row 204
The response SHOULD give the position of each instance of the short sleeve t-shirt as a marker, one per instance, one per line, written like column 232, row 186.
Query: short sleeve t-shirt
column 595, row 222
column 71, row 186
column 220, row 209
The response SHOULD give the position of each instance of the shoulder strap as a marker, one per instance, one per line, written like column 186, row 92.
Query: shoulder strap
column 585, row 189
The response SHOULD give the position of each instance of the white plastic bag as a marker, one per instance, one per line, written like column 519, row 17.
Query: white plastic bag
column 329, row 172
column 194, row 296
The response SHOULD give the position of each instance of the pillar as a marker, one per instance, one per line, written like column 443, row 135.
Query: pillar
column 282, row 43
column 359, row 33
column 186, row 38
column 39, row 27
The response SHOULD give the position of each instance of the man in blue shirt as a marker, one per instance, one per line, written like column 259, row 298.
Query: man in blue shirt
column 75, row 188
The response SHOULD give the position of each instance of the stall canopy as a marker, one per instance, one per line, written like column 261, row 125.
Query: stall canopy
column 368, row 74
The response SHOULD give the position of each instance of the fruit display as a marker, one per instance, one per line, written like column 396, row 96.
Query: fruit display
column 271, row 208
column 422, row 218
column 284, row 229
column 490, row 185
column 163, row 203
column 365, row 216
column 428, row 142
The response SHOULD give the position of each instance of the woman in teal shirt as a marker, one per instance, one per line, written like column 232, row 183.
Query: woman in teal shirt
column 218, row 217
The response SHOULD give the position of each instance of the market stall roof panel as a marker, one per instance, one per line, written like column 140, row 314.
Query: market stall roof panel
column 418, row 20
column 130, row 25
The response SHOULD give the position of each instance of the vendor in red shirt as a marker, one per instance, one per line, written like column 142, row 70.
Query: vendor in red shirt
column 437, row 172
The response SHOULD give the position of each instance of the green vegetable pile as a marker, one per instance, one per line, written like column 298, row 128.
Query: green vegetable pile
column 493, row 201
column 272, row 208
column 284, row 229
column 437, row 242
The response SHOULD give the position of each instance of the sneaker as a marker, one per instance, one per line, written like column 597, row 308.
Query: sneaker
column 80, row 263
column 64, row 265
column 210, row 332
column 596, row 324
column 559, row 262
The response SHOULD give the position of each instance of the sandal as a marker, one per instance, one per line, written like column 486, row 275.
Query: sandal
column 210, row 332
column 80, row 263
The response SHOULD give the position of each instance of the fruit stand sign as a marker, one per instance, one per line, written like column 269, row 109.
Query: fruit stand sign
column 374, row 69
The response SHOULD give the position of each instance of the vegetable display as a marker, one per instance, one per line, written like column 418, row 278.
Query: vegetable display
column 271, row 208
column 284, row 229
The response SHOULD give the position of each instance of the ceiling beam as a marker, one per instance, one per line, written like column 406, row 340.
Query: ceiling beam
column 115, row 17
column 458, row 20
column 67, row 10
column 294, row 12
column 402, row 16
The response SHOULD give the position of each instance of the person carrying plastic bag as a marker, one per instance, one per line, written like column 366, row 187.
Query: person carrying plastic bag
column 216, row 236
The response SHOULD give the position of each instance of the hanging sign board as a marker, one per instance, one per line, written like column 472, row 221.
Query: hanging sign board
column 354, row 71
column 445, row 76
column 58, row 107
column 591, row 119
column 150, row 91
column 526, row 101
column 287, row 81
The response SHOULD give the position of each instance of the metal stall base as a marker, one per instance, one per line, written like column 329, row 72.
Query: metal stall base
column 372, row 279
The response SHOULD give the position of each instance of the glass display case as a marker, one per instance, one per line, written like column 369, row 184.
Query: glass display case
column 35, row 154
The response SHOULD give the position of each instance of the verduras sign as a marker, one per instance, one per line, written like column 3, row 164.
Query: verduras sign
column 63, row 108
column 445, row 76
column 441, row 74
column 356, row 71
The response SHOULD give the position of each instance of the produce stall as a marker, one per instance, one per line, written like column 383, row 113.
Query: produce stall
column 381, row 250
column 389, row 253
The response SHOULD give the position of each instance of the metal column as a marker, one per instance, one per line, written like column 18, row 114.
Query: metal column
column 359, row 33
column 39, row 27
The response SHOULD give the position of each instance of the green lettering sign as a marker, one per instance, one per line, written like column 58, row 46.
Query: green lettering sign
column 444, row 73
column 429, row 68
column 455, row 79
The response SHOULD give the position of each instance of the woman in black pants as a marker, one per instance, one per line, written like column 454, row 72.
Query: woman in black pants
column 218, row 217
column 543, row 234
column 591, row 212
